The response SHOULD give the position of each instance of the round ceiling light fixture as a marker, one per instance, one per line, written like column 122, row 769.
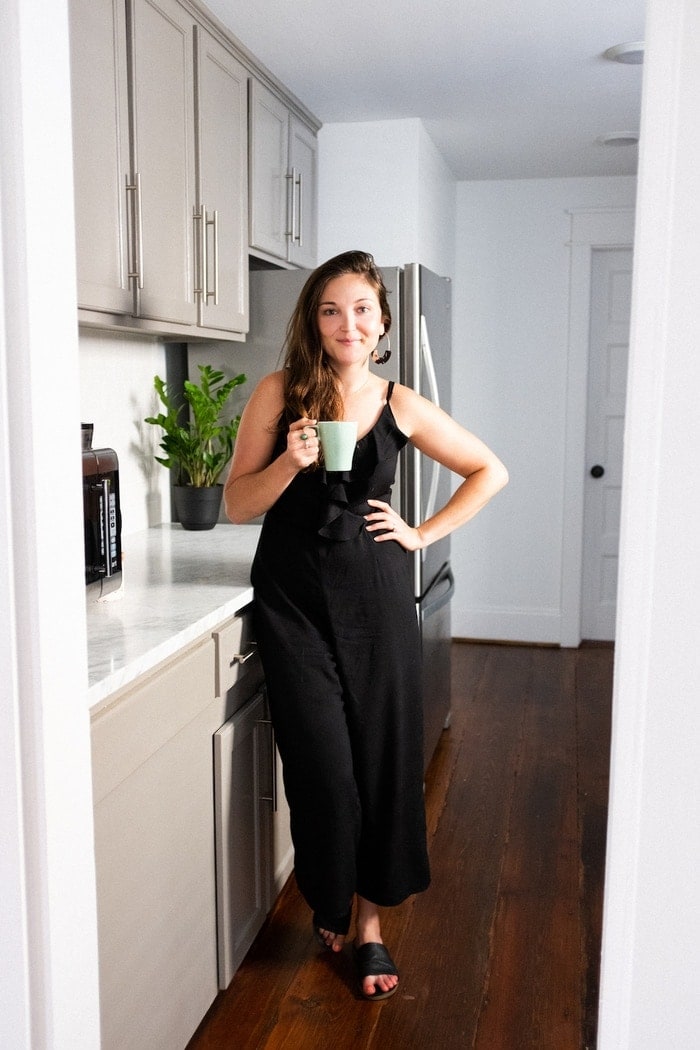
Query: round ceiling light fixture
column 630, row 54
column 619, row 138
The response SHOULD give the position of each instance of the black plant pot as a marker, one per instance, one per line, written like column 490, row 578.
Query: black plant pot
column 197, row 509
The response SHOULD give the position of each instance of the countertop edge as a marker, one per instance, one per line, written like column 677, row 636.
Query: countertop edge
column 178, row 587
column 173, row 645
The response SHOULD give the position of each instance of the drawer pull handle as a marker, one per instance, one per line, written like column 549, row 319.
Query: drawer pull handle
column 240, row 658
column 272, row 797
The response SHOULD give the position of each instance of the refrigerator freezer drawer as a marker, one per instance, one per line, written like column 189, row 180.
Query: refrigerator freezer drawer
column 436, row 633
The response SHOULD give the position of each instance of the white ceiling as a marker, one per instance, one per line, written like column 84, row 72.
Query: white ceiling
column 506, row 88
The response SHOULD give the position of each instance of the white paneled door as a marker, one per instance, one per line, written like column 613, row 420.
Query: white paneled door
column 611, row 285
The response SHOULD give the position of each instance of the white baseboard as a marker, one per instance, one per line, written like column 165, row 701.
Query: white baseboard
column 537, row 626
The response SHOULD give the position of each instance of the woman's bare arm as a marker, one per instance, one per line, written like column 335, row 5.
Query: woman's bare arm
column 438, row 436
column 255, row 480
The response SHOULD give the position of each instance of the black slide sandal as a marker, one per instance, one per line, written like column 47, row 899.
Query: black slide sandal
column 373, row 959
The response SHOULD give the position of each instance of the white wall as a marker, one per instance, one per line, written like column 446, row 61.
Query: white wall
column 116, row 393
column 385, row 189
column 651, row 938
column 48, row 927
column 509, row 387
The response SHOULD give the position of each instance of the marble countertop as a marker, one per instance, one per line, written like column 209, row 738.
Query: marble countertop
column 177, row 586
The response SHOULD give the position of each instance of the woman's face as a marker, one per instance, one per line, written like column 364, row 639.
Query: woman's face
column 349, row 319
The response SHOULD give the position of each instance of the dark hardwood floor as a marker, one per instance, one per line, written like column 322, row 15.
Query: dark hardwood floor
column 502, row 952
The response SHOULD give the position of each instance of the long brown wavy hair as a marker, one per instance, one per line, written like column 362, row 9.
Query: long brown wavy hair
column 310, row 384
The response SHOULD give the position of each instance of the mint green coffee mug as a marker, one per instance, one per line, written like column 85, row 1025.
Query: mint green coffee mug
column 338, row 439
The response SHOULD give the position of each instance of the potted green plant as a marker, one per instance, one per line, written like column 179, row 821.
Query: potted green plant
column 197, row 442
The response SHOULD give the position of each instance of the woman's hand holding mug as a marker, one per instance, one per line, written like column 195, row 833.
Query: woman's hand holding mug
column 302, row 443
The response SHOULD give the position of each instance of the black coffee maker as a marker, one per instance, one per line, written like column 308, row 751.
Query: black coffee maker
column 102, row 517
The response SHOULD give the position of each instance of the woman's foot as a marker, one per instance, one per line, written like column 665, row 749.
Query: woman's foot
column 333, row 941
column 378, row 975
column 331, row 933
column 371, row 955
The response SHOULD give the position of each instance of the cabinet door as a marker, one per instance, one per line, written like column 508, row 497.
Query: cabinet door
column 270, row 189
column 154, row 857
column 222, row 223
column 101, row 153
column 302, row 163
column 163, row 157
column 244, row 791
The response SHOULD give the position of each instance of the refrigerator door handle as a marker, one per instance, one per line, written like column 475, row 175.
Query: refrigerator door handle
column 439, row 592
column 434, row 393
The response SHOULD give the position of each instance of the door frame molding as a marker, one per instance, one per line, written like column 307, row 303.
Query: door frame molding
column 591, row 229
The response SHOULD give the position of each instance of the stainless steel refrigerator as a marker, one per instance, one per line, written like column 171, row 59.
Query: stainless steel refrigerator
column 420, row 304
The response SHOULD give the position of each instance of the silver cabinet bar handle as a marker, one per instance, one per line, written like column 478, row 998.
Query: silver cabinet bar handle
column 272, row 797
column 130, row 229
column 291, row 204
column 203, row 252
column 241, row 658
column 300, row 194
column 199, row 219
column 139, row 230
column 135, row 215
column 214, row 223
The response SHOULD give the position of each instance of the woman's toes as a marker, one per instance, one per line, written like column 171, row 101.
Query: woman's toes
column 381, row 983
column 334, row 941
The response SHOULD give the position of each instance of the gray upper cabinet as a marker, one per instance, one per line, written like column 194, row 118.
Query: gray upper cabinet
column 302, row 162
column 160, row 114
column 221, row 218
column 269, row 151
column 162, row 180
column 162, row 168
column 132, row 69
column 283, row 180
column 101, row 153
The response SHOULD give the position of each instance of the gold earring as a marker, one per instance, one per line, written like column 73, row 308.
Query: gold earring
column 385, row 356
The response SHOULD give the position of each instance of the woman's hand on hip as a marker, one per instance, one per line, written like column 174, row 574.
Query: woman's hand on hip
column 302, row 443
column 391, row 526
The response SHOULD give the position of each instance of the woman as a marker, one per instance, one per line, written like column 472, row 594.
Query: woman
column 335, row 613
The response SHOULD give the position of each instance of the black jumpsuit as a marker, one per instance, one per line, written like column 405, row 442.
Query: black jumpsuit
column 339, row 640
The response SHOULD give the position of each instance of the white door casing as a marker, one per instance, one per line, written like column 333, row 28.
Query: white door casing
column 611, row 294
column 591, row 229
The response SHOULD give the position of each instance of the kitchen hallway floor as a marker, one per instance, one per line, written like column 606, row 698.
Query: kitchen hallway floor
column 502, row 952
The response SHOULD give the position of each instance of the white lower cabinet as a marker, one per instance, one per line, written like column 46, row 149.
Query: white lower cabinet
column 244, row 798
column 254, row 855
column 167, row 845
column 154, row 851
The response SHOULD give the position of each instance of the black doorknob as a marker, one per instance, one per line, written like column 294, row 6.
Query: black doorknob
column 597, row 471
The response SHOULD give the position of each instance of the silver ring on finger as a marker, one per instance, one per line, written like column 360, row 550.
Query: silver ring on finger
column 303, row 436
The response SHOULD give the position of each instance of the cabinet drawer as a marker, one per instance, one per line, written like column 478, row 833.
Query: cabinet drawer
column 144, row 719
column 236, row 652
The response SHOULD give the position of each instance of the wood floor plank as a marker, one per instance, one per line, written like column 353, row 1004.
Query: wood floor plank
column 532, row 1001
column 502, row 952
column 594, row 679
column 447, row 948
